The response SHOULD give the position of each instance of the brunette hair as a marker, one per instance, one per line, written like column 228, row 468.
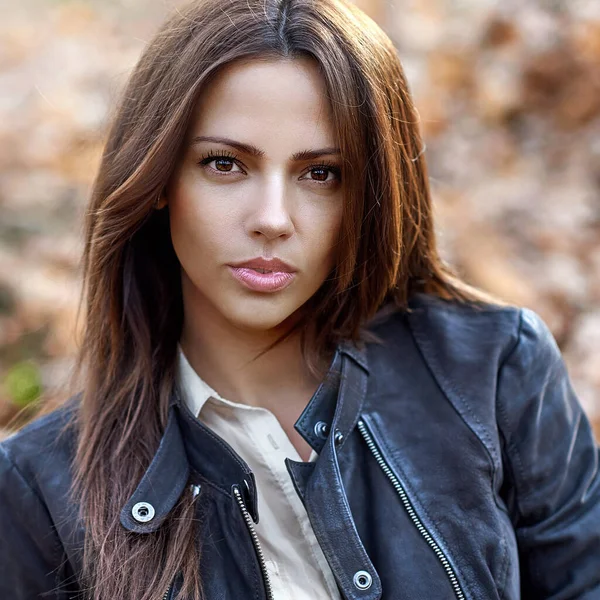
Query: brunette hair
column 132, row 289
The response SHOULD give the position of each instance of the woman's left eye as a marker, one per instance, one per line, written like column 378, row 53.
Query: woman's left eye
column 322, row 173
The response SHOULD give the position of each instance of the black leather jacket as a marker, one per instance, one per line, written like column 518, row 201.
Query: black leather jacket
column 454, row 462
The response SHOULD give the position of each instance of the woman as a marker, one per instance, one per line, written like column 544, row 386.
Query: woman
column 270, row 333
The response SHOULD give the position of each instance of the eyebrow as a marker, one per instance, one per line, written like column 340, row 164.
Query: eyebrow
column 254, row 151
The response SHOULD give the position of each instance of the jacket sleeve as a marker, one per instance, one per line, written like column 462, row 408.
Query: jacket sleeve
column 551, row 460
column 30, row 551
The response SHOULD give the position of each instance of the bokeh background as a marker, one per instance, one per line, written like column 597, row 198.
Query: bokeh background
column 509, row 98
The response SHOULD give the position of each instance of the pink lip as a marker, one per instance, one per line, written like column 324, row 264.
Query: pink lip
column 262, row 282
column 279, row 275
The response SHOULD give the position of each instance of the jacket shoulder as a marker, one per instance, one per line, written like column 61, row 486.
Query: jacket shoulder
column 463, row 345
column 45, row 445
column 37, row 526
column 465, row 326
column 449, row 331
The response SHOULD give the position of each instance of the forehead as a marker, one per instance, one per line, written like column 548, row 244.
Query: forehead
column 284, row 96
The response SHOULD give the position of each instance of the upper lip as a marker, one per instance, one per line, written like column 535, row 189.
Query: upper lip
column 269, row 264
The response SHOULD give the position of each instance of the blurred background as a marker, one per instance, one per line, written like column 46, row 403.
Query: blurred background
column 509, row 98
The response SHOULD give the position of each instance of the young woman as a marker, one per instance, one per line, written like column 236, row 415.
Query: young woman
column 285, row 394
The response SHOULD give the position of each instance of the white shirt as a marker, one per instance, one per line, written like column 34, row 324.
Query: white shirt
column 298, row 569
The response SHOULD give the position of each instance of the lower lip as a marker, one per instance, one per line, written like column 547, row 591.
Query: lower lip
column 262, row 282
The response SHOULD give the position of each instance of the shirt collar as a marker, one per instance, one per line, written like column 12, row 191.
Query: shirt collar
column 187, row 442
column 194, row 390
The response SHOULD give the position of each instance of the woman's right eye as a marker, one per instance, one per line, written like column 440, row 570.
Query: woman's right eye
column 223, row 163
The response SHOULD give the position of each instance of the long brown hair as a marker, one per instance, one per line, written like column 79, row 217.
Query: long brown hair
column 132, row 291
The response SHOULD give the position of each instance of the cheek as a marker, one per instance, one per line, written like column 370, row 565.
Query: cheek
column 197, row 226
column 325, row 235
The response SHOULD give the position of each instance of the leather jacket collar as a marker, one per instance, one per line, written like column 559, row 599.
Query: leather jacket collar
column 188, row 444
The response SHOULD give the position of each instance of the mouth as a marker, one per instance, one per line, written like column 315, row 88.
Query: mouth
column 263, row 274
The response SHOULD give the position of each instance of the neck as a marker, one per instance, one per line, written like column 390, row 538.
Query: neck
column 225, row 357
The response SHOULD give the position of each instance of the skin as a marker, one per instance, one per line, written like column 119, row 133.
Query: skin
column 239, row 207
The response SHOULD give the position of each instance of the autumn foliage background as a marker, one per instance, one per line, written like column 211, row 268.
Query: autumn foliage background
column 509, row 98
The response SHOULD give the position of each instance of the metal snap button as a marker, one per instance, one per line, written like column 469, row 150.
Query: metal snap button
column 338, row 437
column 321, row 429
column 195, row 490
column 143, row 512
column 362, row 580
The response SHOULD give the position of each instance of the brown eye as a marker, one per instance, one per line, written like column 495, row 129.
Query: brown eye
column 321, row 174
column 223, row 164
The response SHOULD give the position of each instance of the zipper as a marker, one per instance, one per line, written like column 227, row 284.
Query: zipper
column 255, row 541
column 168, row 592
column 410, row 509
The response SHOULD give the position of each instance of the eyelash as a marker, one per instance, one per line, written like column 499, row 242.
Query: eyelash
column 210, row 156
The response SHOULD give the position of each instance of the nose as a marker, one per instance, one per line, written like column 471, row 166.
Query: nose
column 270, row 215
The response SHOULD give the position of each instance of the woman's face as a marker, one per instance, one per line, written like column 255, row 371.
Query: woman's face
column 259, row 178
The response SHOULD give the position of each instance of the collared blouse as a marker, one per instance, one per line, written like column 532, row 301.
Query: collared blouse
column 297, row 567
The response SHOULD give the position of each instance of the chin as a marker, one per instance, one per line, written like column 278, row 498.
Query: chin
column 256, row 319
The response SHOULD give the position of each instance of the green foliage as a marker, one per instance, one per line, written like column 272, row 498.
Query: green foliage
column 23, row 383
